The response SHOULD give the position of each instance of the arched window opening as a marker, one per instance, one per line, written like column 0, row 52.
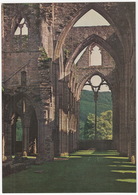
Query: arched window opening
column 95, row 56
column 22, row 28
column 19, row 130
column 23, row 78
column 91, row 18
column 96, row 110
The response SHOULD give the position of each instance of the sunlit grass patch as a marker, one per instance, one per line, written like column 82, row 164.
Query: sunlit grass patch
column 96, row 153
column 123, row 162
column 106, row 153
column 127, row 180
column 75, row 156
column 83, row 152
column 68, row 157
column 126, row 166
column 117, row 157
column 123, row 171
column 61, row 158
column 30, row 157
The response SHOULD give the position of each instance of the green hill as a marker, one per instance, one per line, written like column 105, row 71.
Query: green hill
column 87, row 104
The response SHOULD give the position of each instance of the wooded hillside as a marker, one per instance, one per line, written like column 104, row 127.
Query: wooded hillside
column 87, row 104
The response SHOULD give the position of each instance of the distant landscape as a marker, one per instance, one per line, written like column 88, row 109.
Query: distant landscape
column 87, row 105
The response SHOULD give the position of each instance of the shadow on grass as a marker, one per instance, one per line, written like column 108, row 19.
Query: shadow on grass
column 82, row 171
column 118, row 164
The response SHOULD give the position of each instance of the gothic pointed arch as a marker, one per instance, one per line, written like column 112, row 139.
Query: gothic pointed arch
column 84, row 80
column 100, row 9
column 92, row 39
column 22, row 95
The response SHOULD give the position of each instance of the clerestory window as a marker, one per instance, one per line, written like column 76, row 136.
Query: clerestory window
column 23, row 78
column 22, row 28
column 95, row 56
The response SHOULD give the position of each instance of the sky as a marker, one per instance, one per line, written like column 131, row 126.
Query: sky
column 91, row 18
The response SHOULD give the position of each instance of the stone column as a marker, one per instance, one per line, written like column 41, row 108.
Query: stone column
column 115, row 109
column 63, row 121
column 45, row 126
column 71, row 140
column 60, row 130
column 35, row 147
column 3, row 147
column 7, row 140
column 123, row 147
column 45, row 142
column 13, row 132
column 132, row 109
column 64, row 135
column 6, row 128
column 76, row 125
column 25, row 140
column 40, row 137
column 67, row 135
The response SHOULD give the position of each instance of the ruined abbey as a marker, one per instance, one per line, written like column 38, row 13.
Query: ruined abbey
column 41, row 83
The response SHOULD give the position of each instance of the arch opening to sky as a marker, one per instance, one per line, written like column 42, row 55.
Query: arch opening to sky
column 91, row 18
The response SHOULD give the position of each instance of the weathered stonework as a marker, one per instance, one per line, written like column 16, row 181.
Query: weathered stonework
column 42, row 85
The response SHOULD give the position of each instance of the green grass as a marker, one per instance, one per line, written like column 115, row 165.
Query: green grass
column 82, row 171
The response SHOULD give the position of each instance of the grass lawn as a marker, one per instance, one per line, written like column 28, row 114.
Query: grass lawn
column 82, row 171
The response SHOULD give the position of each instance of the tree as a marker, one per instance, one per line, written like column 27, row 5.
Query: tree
column 104, row 126
column 81, row 129
column 89, row 132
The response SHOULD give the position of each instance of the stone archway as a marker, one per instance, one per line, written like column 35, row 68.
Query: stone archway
column 101, row 9
column 96, row 130
column 96, row 39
